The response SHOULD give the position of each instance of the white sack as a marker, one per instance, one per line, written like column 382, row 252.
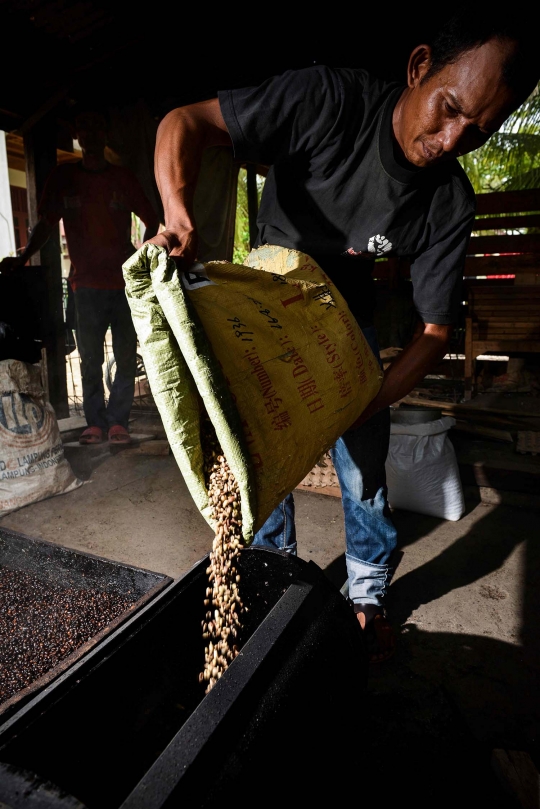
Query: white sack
column 32, row 463
column 422, row 472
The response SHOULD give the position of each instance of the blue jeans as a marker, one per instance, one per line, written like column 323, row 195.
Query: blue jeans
column 359, row 457
column 96, row 309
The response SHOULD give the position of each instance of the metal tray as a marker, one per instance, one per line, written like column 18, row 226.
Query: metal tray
column 65, row 567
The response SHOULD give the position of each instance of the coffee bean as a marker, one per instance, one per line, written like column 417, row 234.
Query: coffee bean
column 224, row 500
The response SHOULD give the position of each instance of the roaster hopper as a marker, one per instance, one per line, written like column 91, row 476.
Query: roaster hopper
column 129, row 725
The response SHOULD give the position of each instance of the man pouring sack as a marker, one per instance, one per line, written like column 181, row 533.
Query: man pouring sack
column 361, row 168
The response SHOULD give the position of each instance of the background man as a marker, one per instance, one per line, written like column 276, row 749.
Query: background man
column 95, row 199
column 362, row 168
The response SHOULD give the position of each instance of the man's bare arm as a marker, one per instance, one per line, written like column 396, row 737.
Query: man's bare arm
column 428, row 346
column 182, row 137
column 38, row 238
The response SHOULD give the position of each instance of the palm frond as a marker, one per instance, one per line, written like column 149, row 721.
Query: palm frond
column 527, row 180
column 510, row 160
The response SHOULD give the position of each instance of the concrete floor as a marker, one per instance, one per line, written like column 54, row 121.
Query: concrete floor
column 464, row 602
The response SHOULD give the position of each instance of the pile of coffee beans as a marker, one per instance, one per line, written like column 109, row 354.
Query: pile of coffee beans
column 42, row 623
column 223, row 619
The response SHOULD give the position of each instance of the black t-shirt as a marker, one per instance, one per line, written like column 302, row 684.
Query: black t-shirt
column 337, row 191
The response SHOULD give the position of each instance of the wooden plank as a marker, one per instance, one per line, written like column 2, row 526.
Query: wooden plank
column 512, row 300
column 524, row 243
column 515, row 293
column 488, row 334
column 487, row 315
column 518, row 330
column 504, row 322
column 472, row 284
column 488, row 331
column 509, row 308
column 503, row 346
column 459, row 408
column 501, row 265
column 484, row 432
column 508, row 222
column 497, row 305
column 501, row 305
column 504, row 303
column 500, row 336
column 525, row 311
column 528, row 442
column 514, row 423
column 40, row 155
column 469, row 359
column 508, row 202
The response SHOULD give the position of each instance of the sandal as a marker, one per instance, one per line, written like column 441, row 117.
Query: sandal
column 119, row 435
column 92, row 435
column 378, row 632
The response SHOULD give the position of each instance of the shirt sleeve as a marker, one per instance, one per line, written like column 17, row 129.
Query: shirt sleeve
column 285, row 115
column 50, row 205
column 437, row 273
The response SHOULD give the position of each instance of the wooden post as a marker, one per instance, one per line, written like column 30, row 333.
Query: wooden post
column 469, row 359
column 40, row 156
column 253, row 203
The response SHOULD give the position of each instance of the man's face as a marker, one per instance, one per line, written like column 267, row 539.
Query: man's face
column 91, row 133
column 457, row 109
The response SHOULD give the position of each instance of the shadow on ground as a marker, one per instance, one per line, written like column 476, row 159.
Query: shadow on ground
column 446, row 700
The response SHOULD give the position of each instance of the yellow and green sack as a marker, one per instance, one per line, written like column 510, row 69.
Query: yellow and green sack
column 270, row 347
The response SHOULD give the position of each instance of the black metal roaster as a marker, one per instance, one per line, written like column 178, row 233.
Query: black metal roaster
column 128, row 725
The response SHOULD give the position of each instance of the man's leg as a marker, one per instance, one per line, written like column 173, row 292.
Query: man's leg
column 359, row 458
column 279, row 531
column 124, row 340
column 92, row 321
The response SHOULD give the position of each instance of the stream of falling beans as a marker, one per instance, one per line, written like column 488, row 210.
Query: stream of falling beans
column 224, row 607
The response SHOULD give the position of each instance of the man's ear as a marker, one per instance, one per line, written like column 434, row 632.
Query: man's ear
column 419, row 65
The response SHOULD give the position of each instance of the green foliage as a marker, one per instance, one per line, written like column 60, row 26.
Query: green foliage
column 241, row 227
column 510, row 160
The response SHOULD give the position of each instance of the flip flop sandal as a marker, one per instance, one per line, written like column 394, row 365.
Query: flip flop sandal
column 119, row 435
column 92, row 435
column 378, row 633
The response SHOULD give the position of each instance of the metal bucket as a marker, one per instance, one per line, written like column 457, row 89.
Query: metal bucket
column 408, row 414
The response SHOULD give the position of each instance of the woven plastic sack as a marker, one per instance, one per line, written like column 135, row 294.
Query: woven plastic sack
column 422, row 471
column 32, row 463
column 270, row 348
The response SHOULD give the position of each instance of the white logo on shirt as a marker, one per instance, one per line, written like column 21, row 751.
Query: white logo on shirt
column 379, row 245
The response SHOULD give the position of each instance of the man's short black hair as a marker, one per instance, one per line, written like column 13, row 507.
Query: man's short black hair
column 472, row 26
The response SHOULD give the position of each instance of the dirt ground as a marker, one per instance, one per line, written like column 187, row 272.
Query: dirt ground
column 464, row 602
